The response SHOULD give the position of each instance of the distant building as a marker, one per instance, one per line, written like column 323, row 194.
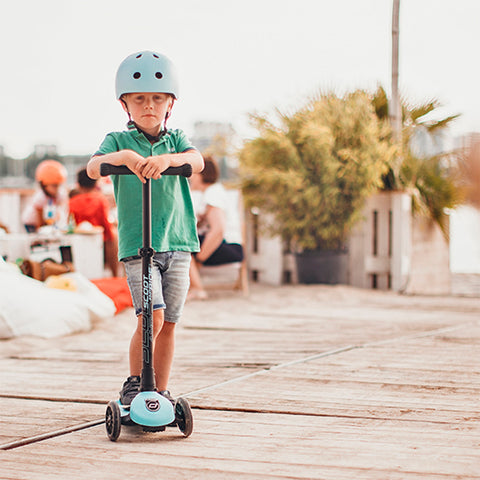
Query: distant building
column 20, row 173
column 468, row 141
column 206, row 132
column 45, row 151
column 220, row 140
column 11, row 170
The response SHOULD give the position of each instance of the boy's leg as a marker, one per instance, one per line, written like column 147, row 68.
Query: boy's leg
column 174, row 287
column 135, row 353
column 175, row 282
column 164, row 347
column 132, row 385
column 163, row 355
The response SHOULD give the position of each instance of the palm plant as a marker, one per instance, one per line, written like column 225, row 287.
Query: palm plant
column 314, row 171
column 430, row 177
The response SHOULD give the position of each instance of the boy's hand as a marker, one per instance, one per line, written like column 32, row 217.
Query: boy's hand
column 136, row 164
column 154, row 166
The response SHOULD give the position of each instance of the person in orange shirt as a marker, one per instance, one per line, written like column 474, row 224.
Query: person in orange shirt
column 88, row 204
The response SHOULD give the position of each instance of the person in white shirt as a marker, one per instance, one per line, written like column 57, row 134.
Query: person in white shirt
column 49, row 204
column 218, row 228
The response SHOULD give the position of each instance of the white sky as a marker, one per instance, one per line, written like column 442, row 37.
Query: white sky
column 59, row 58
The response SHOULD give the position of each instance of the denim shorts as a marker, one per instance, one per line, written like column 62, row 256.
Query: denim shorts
column 170, row 282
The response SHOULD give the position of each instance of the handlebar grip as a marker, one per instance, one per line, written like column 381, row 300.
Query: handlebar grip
column 106, row 169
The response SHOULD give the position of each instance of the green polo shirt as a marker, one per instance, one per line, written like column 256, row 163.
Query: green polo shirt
column 173, row 217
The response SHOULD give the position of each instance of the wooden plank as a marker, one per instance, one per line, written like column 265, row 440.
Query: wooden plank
column 21, row 419
column 202, row 356
column 401, row 404
column 260, row 446
column 382, row 381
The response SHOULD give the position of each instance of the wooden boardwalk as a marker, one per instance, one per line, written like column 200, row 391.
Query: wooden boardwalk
column 297, row 382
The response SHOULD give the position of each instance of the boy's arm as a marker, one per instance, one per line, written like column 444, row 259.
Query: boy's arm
column 157, row 164
column 133, row 160
column 192, row 156
column 151, row 167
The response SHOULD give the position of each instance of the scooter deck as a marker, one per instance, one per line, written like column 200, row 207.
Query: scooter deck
column 125, row 414
column 149, row 410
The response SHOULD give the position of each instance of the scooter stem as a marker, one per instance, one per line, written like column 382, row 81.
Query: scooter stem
column 146, row 253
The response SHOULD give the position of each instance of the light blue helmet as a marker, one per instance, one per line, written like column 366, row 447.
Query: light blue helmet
column 146, row 72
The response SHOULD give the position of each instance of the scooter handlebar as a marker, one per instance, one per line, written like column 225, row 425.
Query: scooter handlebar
column 106, row 169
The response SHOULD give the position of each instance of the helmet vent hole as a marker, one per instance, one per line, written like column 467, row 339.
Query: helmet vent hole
column 156, row 56
column 137, row 75
column 158, row 75
column 138, row 56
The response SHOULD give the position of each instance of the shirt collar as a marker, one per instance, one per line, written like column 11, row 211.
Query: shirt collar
column 150, row 138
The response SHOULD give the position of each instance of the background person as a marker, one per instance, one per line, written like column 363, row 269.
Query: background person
column 88, row 204
column 220, row 241
column 49, row 204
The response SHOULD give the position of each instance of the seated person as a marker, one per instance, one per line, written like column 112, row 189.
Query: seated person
column 49, row 204
column 88, row 204
column 219, row 243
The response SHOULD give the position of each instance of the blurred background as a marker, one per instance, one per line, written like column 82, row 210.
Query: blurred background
column 59, row 60
column 236, row 59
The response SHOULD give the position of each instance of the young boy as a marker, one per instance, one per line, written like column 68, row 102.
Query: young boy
column 147, row 87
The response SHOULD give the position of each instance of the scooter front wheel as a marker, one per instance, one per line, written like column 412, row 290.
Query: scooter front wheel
column 183, row 416
column 113, row 421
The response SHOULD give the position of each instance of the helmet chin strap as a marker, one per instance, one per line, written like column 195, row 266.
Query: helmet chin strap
column 151, row 138
column 131, row 124
column 169, row 113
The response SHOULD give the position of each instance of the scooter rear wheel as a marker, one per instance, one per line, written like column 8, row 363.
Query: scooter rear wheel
column 183, row 416
column 113, row 421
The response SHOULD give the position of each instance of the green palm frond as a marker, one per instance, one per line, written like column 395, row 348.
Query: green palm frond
column 434, row 186
column 419, row 111
column 434, row 126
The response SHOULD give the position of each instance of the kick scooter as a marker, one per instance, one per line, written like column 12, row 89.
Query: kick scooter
column 148, row 409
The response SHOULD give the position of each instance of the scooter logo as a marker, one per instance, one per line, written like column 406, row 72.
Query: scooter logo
column 152, row 404
column 147, row 291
